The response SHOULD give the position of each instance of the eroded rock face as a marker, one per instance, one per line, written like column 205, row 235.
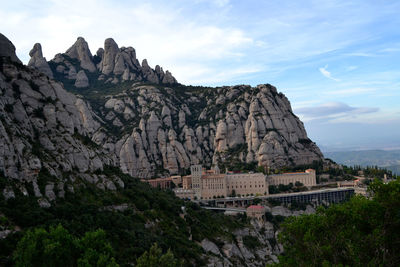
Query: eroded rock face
column 82, row 80
column 114, row 65
column 7, row 49
column 80, row 51
column 107, row 63
column 38, row 61
column 211, row 126
column 161, row 130
column 45, row 128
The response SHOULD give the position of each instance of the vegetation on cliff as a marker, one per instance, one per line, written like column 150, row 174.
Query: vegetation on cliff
column 131, row 220
column 361, row 232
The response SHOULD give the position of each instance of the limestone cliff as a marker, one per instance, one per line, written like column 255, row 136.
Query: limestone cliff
column 44, row 130
column 167, row 129
column 151, row 125
column 111, row 64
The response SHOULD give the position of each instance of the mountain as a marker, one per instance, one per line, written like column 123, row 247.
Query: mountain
column 144, row 128
column 152, row 125
column 65, row 141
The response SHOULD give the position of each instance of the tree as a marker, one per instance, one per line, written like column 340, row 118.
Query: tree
column 41, row 248
column 57, row 247
column 96, row 251
column 155, row 258
column 361, row 232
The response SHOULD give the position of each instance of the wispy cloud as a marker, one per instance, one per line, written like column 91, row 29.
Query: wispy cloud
column 333, row 111
column 390, row 49
column 327, row 74
column 351, row 91
column 351, row 68
column 360, row 54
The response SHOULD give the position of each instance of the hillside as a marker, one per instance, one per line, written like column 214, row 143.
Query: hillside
column 59, row 166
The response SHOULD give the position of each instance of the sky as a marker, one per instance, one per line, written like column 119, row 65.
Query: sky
column 337, row 61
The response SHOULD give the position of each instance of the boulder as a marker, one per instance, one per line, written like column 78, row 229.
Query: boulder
column 82, row 80
column 209, row 246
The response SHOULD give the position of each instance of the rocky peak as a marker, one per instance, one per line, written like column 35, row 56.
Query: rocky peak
column 111, row 64
column 108, row 61
column 149, row 73
column 100, row 53
column 38, row 61
column 80, row 50
column 7, row 49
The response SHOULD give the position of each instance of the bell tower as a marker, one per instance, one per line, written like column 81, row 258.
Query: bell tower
column 196, row 171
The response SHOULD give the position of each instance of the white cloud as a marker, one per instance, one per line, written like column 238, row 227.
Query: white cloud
column 327, row 74
column 360, row 54
column 351, row 91
column 351, row 68
column 162, row 34
column 334, row 112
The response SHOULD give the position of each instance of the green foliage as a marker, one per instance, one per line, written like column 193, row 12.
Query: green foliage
column 57, row 247
column 97, row 251
column 41, row 248
column 230, row 159
column 281, row 188
column 155, row 258
column 153, row 216
column 361, row 232
column 251, row 242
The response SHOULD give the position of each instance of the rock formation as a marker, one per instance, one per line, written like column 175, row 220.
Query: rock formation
column 110, row 65
column 107, row 63
column 82, row 80
column 211, row 126
column 159, row 130
column 45, row 129
column 7, row 49
column 80, row 51
column 39, row 62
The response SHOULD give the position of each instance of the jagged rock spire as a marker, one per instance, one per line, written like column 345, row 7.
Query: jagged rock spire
column 108, row 61
column 114, row 64
column 80, row 50
column 38, row 62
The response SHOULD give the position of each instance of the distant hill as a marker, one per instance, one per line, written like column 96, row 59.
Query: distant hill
column 389, row 159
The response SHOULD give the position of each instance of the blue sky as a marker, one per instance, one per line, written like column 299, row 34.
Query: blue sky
column 336, row 61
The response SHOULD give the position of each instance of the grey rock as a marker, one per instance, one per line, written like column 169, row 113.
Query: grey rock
column 38, row 61
column 148, row 72
column 44, row 203
column 7, row 49
column 82, row 80
column 49, row 192
column 8, row 193
column 209, row 246
column 282, row 211
column 111, row 50
column 231, row 250
column 5, row 233
column 80, row 50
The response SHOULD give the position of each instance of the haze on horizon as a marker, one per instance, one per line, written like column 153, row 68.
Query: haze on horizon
column 336, row 61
